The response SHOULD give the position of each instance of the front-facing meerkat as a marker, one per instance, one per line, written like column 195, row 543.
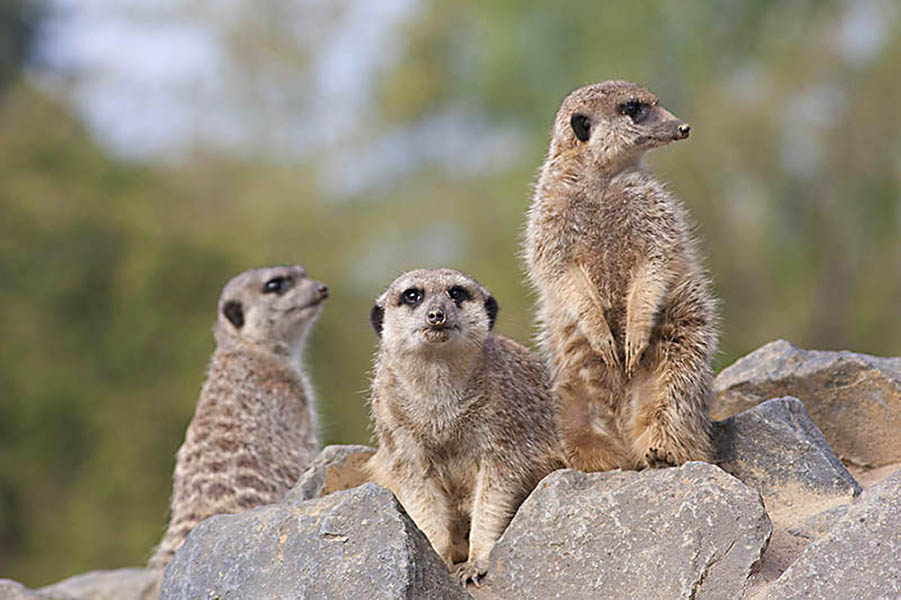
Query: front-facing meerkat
column 254, row 428
column 625, row 310
column 463, row 416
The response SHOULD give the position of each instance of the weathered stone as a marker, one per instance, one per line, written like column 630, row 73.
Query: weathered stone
column 357, row 543
column 13, row 590
column 338, row 467
column 855, row 399
column 688, row 532
column 117, row 584
column 860, row 557
column 775, row 448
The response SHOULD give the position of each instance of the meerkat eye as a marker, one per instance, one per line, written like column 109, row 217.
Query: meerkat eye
column 411, row 297
column 581, row 127
column 635, row 110
column 278, row 285
column 458, row 294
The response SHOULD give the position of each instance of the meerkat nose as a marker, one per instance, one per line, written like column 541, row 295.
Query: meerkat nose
column 436, row 316
column 322, row 290
column 684, row 130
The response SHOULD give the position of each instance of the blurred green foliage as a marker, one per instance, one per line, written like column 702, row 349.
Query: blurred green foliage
column 109, row 272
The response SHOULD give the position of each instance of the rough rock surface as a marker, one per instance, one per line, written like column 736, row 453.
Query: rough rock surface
column 775, row 448
column 687, row 532
column 861, row 554
column 338, row 467
column 117, row 584
column 855, row 399
column 13, row 590
column 357, row 543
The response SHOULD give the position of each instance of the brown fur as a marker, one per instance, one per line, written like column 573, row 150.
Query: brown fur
column 254, row 428
column 626, row 315
column 463, row 416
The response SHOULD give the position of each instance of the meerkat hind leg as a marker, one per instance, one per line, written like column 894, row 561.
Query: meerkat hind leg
column 588, row 430
column 669, row 420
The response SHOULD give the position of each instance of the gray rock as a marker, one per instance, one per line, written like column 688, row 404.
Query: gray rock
column 688, row 532
column 855, row 399
column 117, row 584
column 860, row 557
column 357, row 543
column 13, row 590
column 775, row 448
column 338, row 467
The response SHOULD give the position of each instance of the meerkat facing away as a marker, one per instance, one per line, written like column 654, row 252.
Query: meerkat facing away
column 625, row 310
column 254, row 428
column 463, row 416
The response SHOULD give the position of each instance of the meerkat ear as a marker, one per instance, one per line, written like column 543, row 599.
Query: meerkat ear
column 234, row 312
column 376, row 316
column 581, row 126
column 491, row 308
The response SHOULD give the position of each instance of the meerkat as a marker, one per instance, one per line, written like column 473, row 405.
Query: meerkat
column 463, row 416
column 626, row 316
column 254, row 428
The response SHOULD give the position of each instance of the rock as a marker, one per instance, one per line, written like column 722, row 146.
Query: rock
column 855, row 399
column 336, row 468
column 687, row 532
column 13, row 590
column 357, row 543
column 859, row 557
column 117, row 584
column 775, row 448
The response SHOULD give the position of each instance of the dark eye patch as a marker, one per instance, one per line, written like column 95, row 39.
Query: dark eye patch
column 635, row 110
column 278, row 285
column 458, row 294
column 581, row 126
column 411, row 297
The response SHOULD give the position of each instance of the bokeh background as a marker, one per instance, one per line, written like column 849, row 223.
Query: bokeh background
column 151, row 149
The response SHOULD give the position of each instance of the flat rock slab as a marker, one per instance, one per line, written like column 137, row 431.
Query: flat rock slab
column 860, row 557
column 776, row 448
column 357, row 543
column 688, row 532
column 855, row 399
column 338, row 467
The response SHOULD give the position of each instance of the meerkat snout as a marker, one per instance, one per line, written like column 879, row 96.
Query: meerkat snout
column 436, row 317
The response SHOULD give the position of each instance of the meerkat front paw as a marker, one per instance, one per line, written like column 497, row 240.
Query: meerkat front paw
column 636, row 343
column 606, row 348
column 657, row 458
column 472, row 570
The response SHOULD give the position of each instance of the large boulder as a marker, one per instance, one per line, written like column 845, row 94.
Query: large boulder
column 357, row 543
column 688, row 532
column 338, row 467
column 859, row 557
column 855, row 399
column 116, row 584
column 775, row 448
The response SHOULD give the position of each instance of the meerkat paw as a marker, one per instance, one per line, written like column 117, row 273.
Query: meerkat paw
column 472, row 570
column 606, row 347
column 636, row 343
column 657, row 458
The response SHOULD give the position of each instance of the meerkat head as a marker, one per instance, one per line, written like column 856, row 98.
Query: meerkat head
column 433, row 310
column 613, row 123
column 271, row 307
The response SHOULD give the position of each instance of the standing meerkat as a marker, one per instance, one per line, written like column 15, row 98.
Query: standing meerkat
column 464, row 418
column 625, row 311
column 254, row 429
